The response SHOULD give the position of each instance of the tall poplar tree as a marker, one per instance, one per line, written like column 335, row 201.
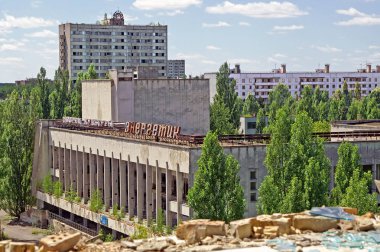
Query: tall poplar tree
column 216, row 193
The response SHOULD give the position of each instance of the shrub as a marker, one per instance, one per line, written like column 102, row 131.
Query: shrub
column 71, row 195
column 141, row 232
column 96, row 202
column 47, row 185
column 57, row 191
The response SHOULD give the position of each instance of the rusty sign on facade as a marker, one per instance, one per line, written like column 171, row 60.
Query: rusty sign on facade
column 155, row 130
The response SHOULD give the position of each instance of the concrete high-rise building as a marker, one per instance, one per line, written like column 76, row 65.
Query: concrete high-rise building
column 110, row 44
column 176, row 68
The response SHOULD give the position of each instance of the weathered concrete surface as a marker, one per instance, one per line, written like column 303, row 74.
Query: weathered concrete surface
column 314, row 223
column 60, row 242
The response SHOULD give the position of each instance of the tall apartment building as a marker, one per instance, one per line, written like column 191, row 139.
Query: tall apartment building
column 110, row 44
column 176, row 68
column 261, row 84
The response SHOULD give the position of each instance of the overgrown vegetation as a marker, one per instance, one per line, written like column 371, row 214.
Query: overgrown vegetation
column 141, row 232
column 96, row 201
column 216, row 193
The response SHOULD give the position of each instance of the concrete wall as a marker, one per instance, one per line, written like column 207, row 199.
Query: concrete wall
column 97, row 100
column 212, row 78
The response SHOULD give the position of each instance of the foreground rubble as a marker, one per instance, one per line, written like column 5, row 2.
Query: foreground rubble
column 282, row 232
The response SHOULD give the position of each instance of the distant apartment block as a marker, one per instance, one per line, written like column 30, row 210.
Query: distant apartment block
column 176, row 68
column 261, row 84
column 110, row 44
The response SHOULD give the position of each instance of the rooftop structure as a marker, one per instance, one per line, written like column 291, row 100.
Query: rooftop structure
column 112, row 44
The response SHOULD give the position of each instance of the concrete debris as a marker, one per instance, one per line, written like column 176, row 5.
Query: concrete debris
column 314, row 223
column 60, row 242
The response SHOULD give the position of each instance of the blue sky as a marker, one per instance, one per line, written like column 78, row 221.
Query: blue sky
column 257, row 34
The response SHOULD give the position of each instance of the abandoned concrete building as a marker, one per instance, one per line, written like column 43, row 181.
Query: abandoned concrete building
column 145, row 167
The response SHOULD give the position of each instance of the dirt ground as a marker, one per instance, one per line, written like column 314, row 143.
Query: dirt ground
column 20, row 231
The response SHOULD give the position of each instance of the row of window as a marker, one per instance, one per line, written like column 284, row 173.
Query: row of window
column 351, row 86
column 113, row 33
column 277, row 80
column 109, row 47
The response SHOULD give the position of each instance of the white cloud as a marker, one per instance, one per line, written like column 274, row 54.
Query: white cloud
column 10, row 22
column 279, row 55
column 213, row 48
column 326, row 49
column 171, row 13
column 11, row 61
column 244, row 24
column 258, row 9
column 209, row 62
column 288, row 28
column 164, row 4
column 36, row 3
column 358, row 18
column 240, row 61
column 219, row 24
column 42, row 34
column 191, row 56
column 11, row 45
column 374, row 47
column 351, row 12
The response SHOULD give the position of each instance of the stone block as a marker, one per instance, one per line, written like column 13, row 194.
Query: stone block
column 21, row 247
column 345, row 225
column 314, row 223
column 364, row 224
column 271, row 232
column 369, row 215
column 61, row 242
column 241, row 228
column 283, row 224
column 262, row 221
column 195, row 230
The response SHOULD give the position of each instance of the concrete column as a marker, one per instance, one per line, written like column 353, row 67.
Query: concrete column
column 93, row 168
column 61, row 164
column 67, row 168
column 131, row 188
column 71, row 216
column 168, row 195
column 107, row 181
column 158, row 190
column 149, row 203
column 86, row 182
column 85, row 222
column 60, row 211
column 123, row 182
column 140, row 190
column 179, row 187
column 53, row 157
column 73, row 168
column 79, row 165
column 115, row 181
column 100, row 173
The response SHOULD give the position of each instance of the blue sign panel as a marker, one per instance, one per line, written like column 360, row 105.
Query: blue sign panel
column 104, row 220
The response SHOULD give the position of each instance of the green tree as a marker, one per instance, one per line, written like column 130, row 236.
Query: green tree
column 217, row 193
column 292, row 202
column 348, row 161
column 220, row 119
column 358, row 91
column 17, row 129
column 306, row 102
column 260, row 121
column 43, row 85
column 270, row 199
column 357, row 193
column 251, row 106
column 226, row 94
column 58, row 98
column 278, row 98
column 321, row 126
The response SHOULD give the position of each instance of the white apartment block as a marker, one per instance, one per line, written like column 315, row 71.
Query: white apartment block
column 112, row 45
column 176, row 68
column 261, row 84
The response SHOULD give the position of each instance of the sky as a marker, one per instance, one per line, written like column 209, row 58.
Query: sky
column 259, row 35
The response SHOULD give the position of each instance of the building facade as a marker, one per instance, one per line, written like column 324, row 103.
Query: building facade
column 112, row 45
column 176, row 69
column 261, row 84
column 123, row 98
column 145, row 174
